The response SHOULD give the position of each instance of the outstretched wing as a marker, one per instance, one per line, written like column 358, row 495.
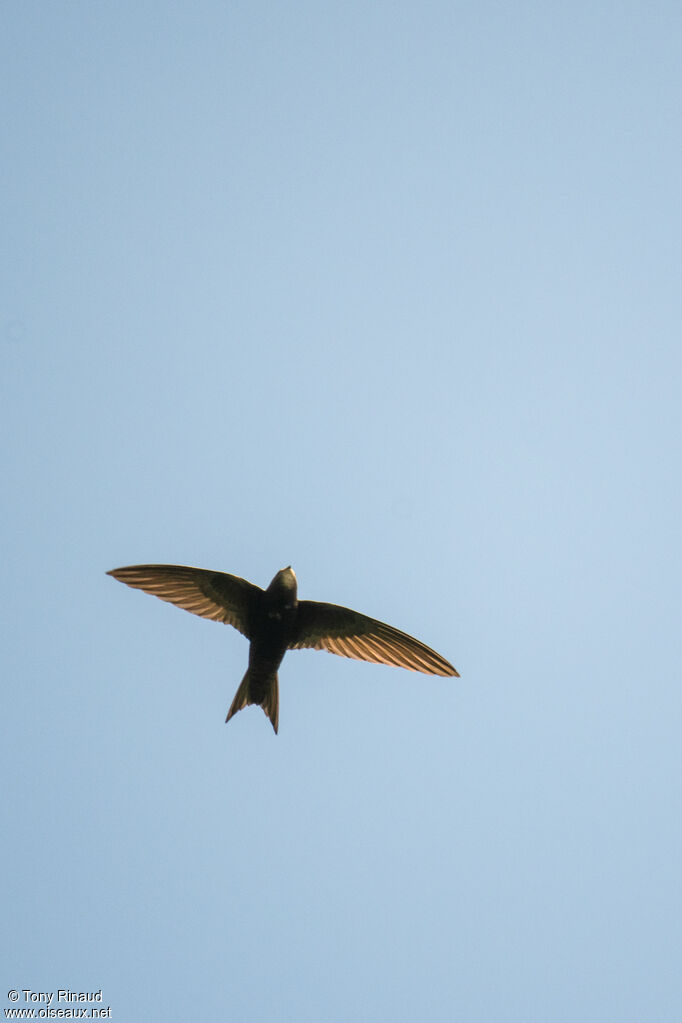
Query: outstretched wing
column 214, row 595
column 350, row 634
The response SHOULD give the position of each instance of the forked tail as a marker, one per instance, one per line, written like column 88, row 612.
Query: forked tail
column 262, row 691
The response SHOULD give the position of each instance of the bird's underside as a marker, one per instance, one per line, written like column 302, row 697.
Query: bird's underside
column 275, row 621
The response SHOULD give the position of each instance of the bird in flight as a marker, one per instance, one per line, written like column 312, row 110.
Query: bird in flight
column 274, row 621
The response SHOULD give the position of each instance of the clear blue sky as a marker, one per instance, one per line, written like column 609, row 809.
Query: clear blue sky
column 389, row 292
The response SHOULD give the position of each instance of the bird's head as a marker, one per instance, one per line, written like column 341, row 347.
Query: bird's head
column 284, row 586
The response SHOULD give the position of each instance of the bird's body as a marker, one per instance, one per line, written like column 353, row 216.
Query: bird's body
column 271, row 627
column 274, row 621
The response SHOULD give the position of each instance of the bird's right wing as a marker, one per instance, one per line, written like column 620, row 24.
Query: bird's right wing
column 215, row 595
column 351, row 634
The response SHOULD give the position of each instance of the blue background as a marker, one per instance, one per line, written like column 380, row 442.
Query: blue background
column 389, row 292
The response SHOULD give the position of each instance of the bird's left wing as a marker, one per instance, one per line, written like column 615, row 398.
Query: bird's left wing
column 215, row 595
column 350, row 634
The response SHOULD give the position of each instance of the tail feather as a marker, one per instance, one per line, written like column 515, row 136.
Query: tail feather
column 264, row 694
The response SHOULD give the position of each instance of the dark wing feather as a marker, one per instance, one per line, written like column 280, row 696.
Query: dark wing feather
column 350, row 634
column 214, row 595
